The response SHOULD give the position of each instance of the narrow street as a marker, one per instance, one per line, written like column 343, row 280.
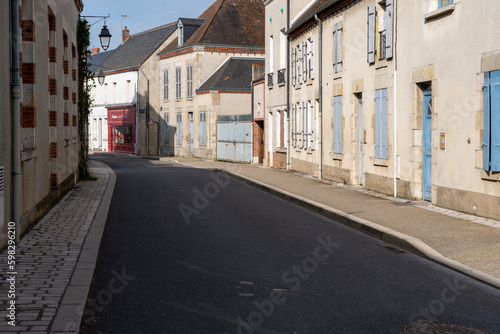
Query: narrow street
column 186, row 250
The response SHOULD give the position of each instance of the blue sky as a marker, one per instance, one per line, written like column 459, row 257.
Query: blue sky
column 141, row 15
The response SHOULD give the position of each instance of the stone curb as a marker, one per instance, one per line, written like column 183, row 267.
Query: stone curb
column 70, row 312
column 383, row 233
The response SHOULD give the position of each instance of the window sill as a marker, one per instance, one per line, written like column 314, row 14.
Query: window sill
column 280, row 150
column 439, row 12
column 189, row 99
column 269, row 87
column 28, row 154
column 490, row 176
column 281, row 84
column 309, row 82
column 337, row 156
column 178, row 100
column 337, row 75
column 381, row 162
column 381, row 64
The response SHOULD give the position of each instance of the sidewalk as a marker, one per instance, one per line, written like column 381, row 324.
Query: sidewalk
column 465, row 243
column 55, row 261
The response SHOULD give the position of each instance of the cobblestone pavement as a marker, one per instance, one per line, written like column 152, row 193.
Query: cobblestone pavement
column 47, row 255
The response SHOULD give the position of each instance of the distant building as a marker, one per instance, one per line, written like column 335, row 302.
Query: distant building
column 205, row 82
column 48, row 103
column 130, row 93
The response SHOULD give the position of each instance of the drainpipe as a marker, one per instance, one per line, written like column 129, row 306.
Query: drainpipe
column 395, row 105
column 16, row 123
column 147, row 112
column 289, row 134
column 320, row 111
column 137, row 106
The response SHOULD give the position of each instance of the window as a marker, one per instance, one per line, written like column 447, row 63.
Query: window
column 165, row 85
column 178, row 78
column 166, row 132
column 310, row 124
column 304, row 61
column 271, row 54
column 300, row 130
column 189, row 71
column 179, row 129
column 383, row 22
column 203, row 128
column 310, row 58
column 442, row 3
column 303, row 121
column 491, row 132
column 180, row 34
column 381, row 145
column 283, row 45
column 337, row 124
column 337, row 48
column 294, row 68
column 294, row 129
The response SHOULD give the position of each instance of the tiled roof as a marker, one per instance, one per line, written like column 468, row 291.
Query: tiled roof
column 137, row 49
column 97, row 59
column 308, row 15
column 229, row 22
column 234, row 75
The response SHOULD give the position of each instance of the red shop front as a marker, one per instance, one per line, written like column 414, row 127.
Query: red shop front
column 121, row 129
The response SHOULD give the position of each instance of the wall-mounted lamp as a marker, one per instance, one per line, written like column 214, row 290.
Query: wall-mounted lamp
column 100, row 78
column 104, row 36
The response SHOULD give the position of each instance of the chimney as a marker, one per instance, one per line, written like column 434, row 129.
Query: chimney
column 125, row 34
column 95, row 51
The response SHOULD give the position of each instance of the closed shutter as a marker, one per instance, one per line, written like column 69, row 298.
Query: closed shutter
column 389, row 10
column 165, row 84
column 293, row 125
column 304, row 61
column 337, row 124
column 299, row 132
column 299, row 61
column 495, row 121
column 338, row 48
column 311, row 124
column 304, row 124
column 381, row 143
column 487, row 127
column 311, row 59
column 371, row 34
column 179, row 129
column 203, row 129
column 165, row 129
column 294, row 66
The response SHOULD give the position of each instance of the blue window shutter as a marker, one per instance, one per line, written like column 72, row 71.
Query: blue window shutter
column 389, row 10
column 337, row 125
column 495, row 121
column 384, row 147
column 487, row 127
column 294, row 65
column 338, row 47
column 371, row 34
column 299, row 61
column 311, row 58
column 378, row 110
column 299, row 132
column 304, row 124
column 293, row 124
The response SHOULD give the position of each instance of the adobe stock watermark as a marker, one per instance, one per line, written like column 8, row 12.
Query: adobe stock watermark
column 104, row 297
column 202, row 197
column 292, row 279
column 436, row 307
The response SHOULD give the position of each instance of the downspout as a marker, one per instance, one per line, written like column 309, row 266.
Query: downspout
column 396, row 163
column 289, row 130
column 147, row 111
column 138, row 105
column 16, row 123
column 320, row 111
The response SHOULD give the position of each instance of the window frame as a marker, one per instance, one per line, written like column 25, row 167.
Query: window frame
column 381, row 124
column 178, row 82
column 189, row 80
column 440, row 3
column 203, row 129
column 165, row 85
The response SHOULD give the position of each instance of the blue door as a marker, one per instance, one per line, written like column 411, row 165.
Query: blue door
column 360, row 141
column 427, row 147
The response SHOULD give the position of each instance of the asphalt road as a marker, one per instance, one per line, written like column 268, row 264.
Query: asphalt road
column 189, row 251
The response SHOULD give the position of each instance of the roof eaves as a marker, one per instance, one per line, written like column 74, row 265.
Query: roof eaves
column 302, row 21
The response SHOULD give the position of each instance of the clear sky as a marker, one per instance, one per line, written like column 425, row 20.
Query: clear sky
column 141, row 15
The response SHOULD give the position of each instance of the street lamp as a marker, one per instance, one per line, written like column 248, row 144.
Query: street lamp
column 104, row 36
column 100, row 78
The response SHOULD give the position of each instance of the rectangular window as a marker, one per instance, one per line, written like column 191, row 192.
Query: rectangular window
column 294, row 66
column 278, row 129
column 165, row 84
column 337, row 48
column 299, row 63
column 283, row 45
column 300, row 132
column 203, row 128
column 271, row 54
column 381, row 144
column 284, row 135
column 491, row 132
column 178, row 78
column 304, row 125
column 304, row 61
column 442, row 3
column 310, row 124
column 294, row 129
column 189, row 81
column 337, row 124
column 166, row 131
column 179, row 129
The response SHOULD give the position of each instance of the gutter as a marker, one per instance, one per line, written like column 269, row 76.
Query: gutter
column 16, row 122
column 289, row 134
column 320, row 111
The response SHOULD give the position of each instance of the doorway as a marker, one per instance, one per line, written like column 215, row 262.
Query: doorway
column 427, row 144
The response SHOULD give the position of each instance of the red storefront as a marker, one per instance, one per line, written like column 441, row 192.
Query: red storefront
column 121, row 129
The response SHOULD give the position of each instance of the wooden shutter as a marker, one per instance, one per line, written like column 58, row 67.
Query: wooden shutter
column 381, row 142
column 311, row 58
column 487, row 127
column 495, row 121
column 310, row 123
column 371, row 34
column 384, row 130
column 299, row 132
column 304, row 61
column 299, row 61
column 294, row 64
column 337, row 124
column 389, row 10
column 293, row 125
column 338, row 48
